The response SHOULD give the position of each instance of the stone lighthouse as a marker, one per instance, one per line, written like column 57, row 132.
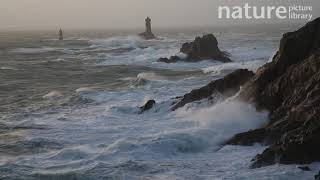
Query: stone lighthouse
column 60, row 35
column 148, row 31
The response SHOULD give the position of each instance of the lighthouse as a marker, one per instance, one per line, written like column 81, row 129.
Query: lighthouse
column 148, row 30
column 60, row 34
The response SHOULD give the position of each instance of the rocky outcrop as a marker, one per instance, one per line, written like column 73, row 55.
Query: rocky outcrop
column 202, row 48
column 147, row 106
column 227, row 86
column 205, row 47
column 147, row 34
column 289, row 87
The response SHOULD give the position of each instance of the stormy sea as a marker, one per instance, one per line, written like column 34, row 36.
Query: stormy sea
column 70, row 109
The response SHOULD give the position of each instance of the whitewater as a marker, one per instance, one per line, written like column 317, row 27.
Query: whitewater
column 70, row 110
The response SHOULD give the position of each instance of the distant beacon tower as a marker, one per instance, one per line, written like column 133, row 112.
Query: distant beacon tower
column 148, row 25
column 60, row 34
column 148, row 31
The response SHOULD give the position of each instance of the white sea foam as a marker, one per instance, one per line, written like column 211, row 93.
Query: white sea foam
column 53, row 95
column 35, row 50
column 271, row 57
column 227, row 67
column 226, row 118
column 8, row 68
column 116, row 42
column 150, row 76
column 85, row 89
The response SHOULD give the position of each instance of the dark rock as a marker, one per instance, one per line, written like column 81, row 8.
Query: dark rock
column 317, row 177
column 304, row 168
column 289, row 87
column 227, row 86
column 248, row 138
column 147, row 106
column 148, row 31
column 202, row 48
column 173, row 59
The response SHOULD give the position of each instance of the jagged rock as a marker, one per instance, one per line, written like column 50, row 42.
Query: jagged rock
column 202, row 48
column 227, row 86
column 148, row 31
column 147, row 106
column 205, row 47
column 289, row 87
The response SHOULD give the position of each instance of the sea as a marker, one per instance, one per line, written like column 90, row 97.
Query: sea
column 69, row 110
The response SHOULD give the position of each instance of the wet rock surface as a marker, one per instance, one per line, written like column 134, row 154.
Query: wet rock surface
column 289, row 87
column 227, row 86
column 147, row 106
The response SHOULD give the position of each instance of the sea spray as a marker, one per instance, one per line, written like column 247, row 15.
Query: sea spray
column 226, row 118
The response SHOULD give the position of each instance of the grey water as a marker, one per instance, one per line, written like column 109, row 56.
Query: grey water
column 68, row 109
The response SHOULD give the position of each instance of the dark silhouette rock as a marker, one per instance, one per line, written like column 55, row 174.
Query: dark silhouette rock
column 148, row 31
column 172, row 59
column 147, row 106
column 227, row 86
column 304, row 168
column 202, row 48
column 248, row 138
column 317, row 177
column 289, row 87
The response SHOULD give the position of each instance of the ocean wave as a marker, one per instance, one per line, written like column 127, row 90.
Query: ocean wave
column 8, row 68
column 226, row 118
column 222, row 69
column 35, row 50
column 161, row 145
column 85, row 90
column 36, row 145
column 53, row 95
column 120, row 42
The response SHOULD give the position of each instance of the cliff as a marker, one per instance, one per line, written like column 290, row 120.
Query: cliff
column 289, row 87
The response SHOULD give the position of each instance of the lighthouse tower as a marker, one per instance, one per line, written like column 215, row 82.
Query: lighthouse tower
column 60, row 35
column 148, row 31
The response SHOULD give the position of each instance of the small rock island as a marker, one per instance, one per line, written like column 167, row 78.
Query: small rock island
column 202, row 48
column 148, row 31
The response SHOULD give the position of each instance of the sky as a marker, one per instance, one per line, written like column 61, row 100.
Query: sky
column 113, row 14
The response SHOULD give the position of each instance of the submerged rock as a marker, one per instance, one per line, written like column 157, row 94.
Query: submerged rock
column 227, row 86
column 147, row 106
column 289, row 87
column 172, row 59
column 202, row 48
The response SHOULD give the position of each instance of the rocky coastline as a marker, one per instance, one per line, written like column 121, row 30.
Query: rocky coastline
column 288, row 87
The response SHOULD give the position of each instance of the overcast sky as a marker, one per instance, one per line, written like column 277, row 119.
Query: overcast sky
column 112, row 14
